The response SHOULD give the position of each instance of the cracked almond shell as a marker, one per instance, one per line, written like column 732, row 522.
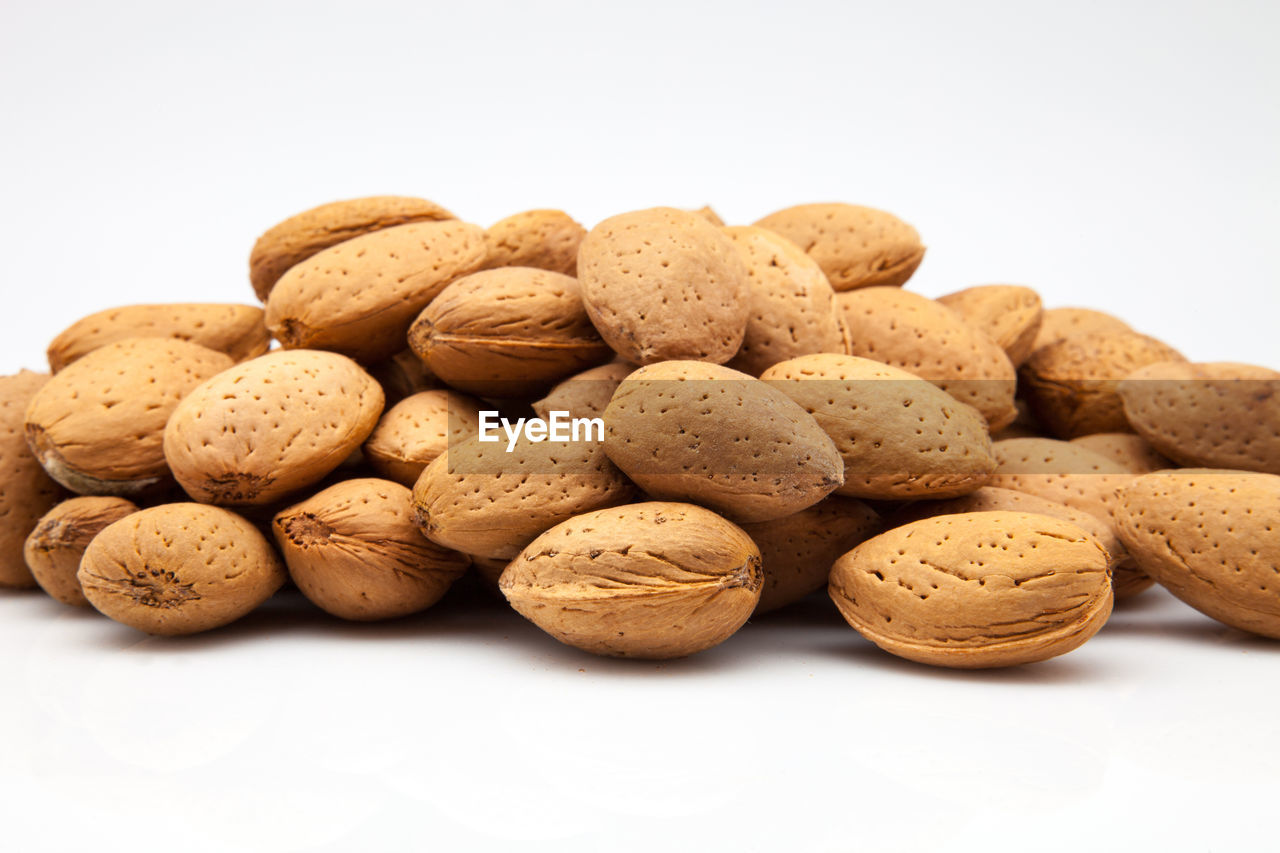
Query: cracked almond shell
column 664, row 284
column 26, row 491
column 360, row 297
column 855, row 246
column 54, row 549
column 1010, row 314
column 478, row 498
column 304, row 234
column 698, row 432
column 792, row 304
column 98, row 426
column 236, row 330
column 899, row 436
column 650, row 580
column 976, row 590
column 266, row 428
column 797, row 551
column 1212, row 538
column 926, row 338
column 509, row 332
column 1208, row 415
column 179, row 569
column 544, row 239
column 416, row 430
column 1071, row 386
column 354, row 552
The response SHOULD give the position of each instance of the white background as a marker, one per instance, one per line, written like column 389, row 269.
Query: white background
column 1117, row 155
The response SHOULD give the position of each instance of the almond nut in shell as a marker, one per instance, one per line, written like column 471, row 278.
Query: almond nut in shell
column 360, row 297
column 481, row 499
column 1059, row 323
column 509, row 332
column 664, row 284
column 98, row 426
column 416, row 430
column 26, row 492
column 650, row 580
column 545, row 239
column 922, row 336
column 698, row 432
column 1212, row 538
column 354, row 551
column 265, row 428
column 899, row 436
column 797, row 551
column 54, row 549
column 792, row 304
column 993, row 499
column 855, row 246
column 1216, row 415
column 1071, row 385
column 586, row 394
column 976, row 590
column 1073, row 475
column 179, row 569
column 1126, row 449
column 1009, row 313
column 236, row 330
column 301, row 236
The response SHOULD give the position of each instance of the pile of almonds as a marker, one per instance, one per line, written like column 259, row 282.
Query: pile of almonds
column 764, row 412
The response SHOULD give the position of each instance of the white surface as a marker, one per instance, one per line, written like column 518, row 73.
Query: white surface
column 1121, row 156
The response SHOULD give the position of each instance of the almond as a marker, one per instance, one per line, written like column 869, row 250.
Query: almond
column 416, row 430
column 1212, row 538
column 1073, row 475
column 266, row 428
column 403, row 375
column 899, row 436
column 354, row 552
column 792, row 304
column 26, row 492
column 1059, row 323
column 54, row 548
column 1215, row 415
column 301, row 236
column 545, row 239
column 510, row 332
column 1010, row 314
column 993, row 499
column 797, row 551
column 664, row 284
column 975, row 590
column 359, row 297
column 709, row 214
column 98, row 426
column 930, row 340
column 1131, row 452
column 650, row 580
column 1071, row 385
column 855, row 246
column 687, row 430
column 179, row 569
column 236, row 330
column 480, row 499
column 586, row 394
